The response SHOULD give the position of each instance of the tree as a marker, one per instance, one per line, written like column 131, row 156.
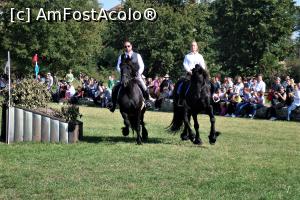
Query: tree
column 164, row 43
column 61, row 45
column 252, row 32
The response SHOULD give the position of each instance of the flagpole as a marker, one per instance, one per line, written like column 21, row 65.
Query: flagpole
column 9, row 87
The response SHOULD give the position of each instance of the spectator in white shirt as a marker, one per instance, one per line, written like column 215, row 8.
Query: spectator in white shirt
column 296, row 102
column 239, row 86
column 261, row 85
column 49, row 81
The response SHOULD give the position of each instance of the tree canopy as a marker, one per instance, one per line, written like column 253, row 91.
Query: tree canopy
column 253, row 36
column 235, row 36
column 61, row 45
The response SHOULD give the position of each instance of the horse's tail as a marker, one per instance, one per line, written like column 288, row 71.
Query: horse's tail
column 178, row 117
column 178, row 111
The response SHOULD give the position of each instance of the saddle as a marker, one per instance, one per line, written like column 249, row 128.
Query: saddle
column 184, row 87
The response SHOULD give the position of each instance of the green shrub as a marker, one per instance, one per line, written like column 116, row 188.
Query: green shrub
column 70, row 113
column 30, row 94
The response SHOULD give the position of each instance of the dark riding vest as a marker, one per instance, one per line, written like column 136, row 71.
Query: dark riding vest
column 134, row 59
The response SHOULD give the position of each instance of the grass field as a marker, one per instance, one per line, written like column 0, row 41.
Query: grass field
column 253, row 159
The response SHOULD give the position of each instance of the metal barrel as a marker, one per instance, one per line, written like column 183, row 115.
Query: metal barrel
column 45, row 129
column 36, row 127
column 63, row 132
column 28, row 126
column 10, row 124
column 19, row 128
column 54, row 130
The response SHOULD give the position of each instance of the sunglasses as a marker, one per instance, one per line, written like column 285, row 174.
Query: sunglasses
column 127, row 46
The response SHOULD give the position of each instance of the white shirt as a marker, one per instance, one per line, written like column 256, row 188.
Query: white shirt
column 192, row 59
column 140, row 62
column 238, row 88
column 72, row 90
column 297, row 98
column 261, row 86
column 50, row 81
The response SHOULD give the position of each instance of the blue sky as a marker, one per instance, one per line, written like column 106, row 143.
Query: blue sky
column 107, row 4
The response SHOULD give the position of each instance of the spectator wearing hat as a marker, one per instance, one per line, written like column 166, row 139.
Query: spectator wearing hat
column 165, row 86
column 276, row 85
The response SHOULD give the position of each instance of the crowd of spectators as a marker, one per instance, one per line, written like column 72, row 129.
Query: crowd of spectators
column 244, row 96
column 231, row 97
column 88, row 89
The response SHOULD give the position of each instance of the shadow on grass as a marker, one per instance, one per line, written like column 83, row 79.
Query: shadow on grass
column 119, row 139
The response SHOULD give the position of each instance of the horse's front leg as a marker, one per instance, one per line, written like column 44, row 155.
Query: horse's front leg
column 197, row 140
column 213, row 134
column 138, row 128
column 125, row 130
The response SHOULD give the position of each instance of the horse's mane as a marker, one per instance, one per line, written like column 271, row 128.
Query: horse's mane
column 203, row 72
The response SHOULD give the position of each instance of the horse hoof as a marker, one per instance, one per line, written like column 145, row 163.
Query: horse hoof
column 125, row 131
column 139, row 142
column 198, row 142
column 192, row 136
column 212, row 141
column 184, row 137
column 145, row 135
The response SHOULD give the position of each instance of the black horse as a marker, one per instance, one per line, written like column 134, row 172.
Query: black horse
column 131, row 102
column 197, row 99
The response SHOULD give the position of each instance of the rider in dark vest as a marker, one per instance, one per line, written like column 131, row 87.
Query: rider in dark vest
column 137, row 61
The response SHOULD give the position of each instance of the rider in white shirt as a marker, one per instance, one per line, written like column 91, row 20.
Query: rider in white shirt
column 190, row 61
column 193, row 58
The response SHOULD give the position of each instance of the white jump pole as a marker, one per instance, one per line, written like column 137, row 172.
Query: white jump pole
column 9, row 88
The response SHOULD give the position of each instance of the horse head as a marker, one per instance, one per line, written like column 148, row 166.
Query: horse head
column 128, row 71
column 199, row 75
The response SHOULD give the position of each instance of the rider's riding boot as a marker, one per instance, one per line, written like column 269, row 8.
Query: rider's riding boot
column 180, row 101
column 147, row 101
column 113, row 104
column 181, row 97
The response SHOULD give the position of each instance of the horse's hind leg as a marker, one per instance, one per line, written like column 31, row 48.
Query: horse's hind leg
column 186, row 135
column 213, row 134
column 197, row 140
column 136, row 124
column 144, row 130
column 125, row 130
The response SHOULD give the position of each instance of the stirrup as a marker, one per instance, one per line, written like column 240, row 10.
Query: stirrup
column 148, row 104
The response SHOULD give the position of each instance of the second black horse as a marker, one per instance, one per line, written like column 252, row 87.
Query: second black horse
column 197, row 99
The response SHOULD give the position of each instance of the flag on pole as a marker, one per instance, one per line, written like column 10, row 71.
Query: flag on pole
column 36, row 70
column 35, row 59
